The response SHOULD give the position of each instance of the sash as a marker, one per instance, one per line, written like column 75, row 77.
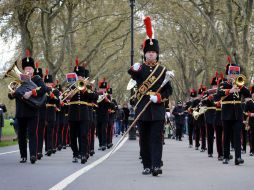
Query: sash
column 148, row 84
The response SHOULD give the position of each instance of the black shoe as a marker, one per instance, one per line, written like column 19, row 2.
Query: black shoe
column 251, row 154
column 83, row 159
column 103, row 148
column 23, row 160
column 156, row 171
column 225, row 161
column 230, row 157
column 39, row 156
column 64, row 147
column 54, row 151
column 210, row 155
column 196, row 148
column 202, row 150
column 59, row 148
column 33, row 159
column 146, row 171
column 49, row 153
column 75, row 160
column 239, row 161
column 220, row 158
column 92, row 152
column 100, row 148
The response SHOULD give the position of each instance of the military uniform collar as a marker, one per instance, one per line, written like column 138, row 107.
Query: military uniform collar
column 151, row 64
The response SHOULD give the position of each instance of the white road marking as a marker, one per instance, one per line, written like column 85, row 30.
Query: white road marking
column 68, row 180
column 9, row 152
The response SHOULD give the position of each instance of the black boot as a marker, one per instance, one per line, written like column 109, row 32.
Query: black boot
column 146, row 171
column 239, row 161
column 33, row 159
column 23, row 160
column 75, row 159
column 83, row 159
column 39, row 156
column 225, row 161
column 157, row 171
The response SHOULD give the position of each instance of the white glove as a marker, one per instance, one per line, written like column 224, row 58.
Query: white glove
column 154, row 98
column 171, row 73
column 136, row 66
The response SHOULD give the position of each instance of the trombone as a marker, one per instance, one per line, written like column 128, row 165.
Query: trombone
column 79, row 85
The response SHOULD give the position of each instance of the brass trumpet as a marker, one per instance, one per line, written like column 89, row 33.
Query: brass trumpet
column 240, row 80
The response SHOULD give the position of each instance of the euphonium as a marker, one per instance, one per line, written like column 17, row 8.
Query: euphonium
column 14, row 73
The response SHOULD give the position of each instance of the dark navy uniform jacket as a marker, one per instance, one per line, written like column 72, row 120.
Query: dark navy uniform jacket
column 79, row 112
column 155, row 111
column 179, row 119
column 249, row 107
column 51, row 104
column 210, row 112
column 231, row 103
column 22, row 108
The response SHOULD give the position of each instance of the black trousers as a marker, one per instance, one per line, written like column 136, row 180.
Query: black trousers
column 202, row 127
column 41, row 127
column 219, row 145
column 65, row 133
column 60, row 134
column 50, row 135
column 151, row 143
column 197, row 133
column 27, row 125
column 79, row 139
column 234, row 126
column 179, row 131
column 110, row 132
column 92, row 133
column 245, row 135
column 190, row 132
column 102, row 132
column 252, row 139
column 210, row 137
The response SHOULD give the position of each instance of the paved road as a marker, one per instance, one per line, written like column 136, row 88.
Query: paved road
column 183, row 168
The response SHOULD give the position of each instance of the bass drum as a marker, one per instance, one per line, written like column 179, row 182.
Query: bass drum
column 27, row 86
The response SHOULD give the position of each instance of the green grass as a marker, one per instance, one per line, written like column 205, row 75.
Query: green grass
column 8, row 134
column 8, row 130
column 8, row 143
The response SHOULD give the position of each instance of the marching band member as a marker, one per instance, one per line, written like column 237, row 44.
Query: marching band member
column 27, row 115
column 79, row 117
column 210, row 114
column 249, row 111
column 102, row 115
column 42, row 113
column 218, row 122
column 51, row 105
column 149, row 77
column 191, row 120
column 232, row 114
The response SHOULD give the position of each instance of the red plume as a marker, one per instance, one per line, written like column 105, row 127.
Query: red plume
column 229, row 59
column 37, row 64
column 216, row 74
column 47, row 72
column 76, row 61
column 149, row 30
column 221, row 75
column 28, row 54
